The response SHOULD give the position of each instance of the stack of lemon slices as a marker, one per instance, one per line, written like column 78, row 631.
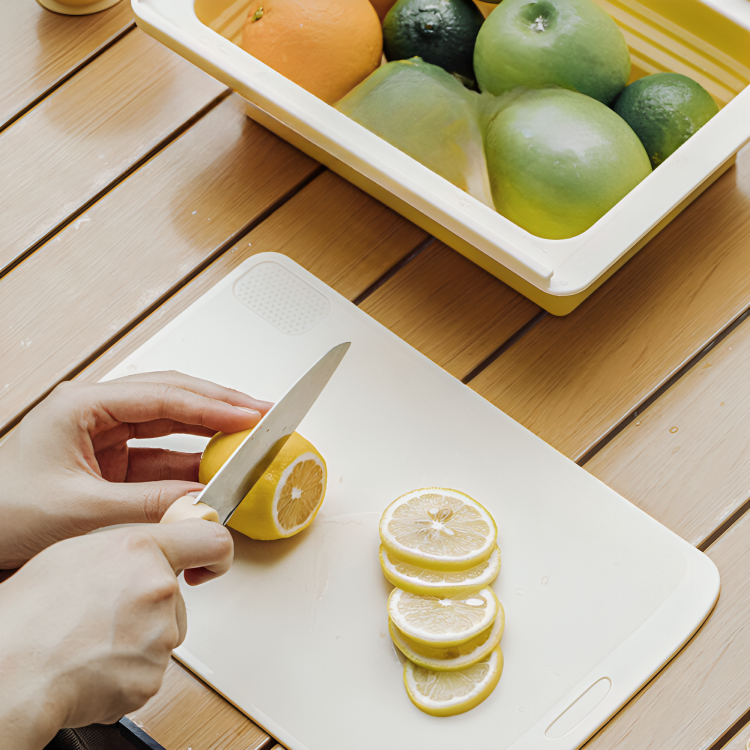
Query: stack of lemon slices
column 439, row 550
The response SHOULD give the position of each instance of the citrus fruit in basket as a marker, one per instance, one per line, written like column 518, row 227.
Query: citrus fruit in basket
column 426, row 113
column 325, row 46
column 664, row 110
column 441, row 622
column 559, row 160
column 439, row 529
column 286, row 498
column 441, row 32
column 573, row 44
column 418, row 580
column 451, row 693
column 450, row 658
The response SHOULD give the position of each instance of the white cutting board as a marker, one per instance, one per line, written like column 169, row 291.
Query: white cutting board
column 597, row 594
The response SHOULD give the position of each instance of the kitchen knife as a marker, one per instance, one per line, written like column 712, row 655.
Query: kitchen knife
column 221, row 496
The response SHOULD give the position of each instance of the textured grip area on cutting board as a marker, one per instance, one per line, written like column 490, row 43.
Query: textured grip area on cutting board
column 281, row 298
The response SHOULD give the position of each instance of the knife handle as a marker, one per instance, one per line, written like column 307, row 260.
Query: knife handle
column 185, row 508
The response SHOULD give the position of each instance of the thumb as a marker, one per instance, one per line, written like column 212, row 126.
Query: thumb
column 141, row 502
column 201, row 548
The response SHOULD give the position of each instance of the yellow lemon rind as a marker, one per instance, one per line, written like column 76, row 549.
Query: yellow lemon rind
column 443, row 660
column 432, row 561
column 459, row 705
column 255, row 517
column 442, row 640
column 441, row 585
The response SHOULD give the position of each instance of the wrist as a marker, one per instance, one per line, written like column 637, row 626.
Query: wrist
column 30, row 708
column 29, row 715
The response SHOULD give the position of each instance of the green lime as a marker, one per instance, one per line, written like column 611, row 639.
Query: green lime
column 559, row 160
column 664, row 110
column 441, row 32
column 572, row 44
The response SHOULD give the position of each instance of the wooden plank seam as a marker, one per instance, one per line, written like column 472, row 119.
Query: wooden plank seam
column 213, row 256
column 678, row 375
column 144, row 159
column 391, row 272
column 517, row 336
column 65, row 77
column 734, row 732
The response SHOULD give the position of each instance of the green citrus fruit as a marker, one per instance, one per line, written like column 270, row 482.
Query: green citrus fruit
column 573, row 44
column 441, row 32
column 426, row 113
column 559, row 160
column 664, row 110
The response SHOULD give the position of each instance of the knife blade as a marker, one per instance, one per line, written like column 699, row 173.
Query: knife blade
column 253, row 456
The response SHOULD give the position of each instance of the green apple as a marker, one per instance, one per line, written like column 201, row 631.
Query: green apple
column 559, row 160
column 573, row 44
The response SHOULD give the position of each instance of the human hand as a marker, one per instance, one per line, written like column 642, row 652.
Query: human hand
column 87, row 626
column 67, row 468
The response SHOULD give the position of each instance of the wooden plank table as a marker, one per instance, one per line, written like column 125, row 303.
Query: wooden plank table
column 132, row 183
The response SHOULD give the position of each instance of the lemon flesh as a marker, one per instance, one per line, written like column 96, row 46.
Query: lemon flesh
column 453, row 657
column 442, row 621
column 451, row 693
column 417, row 580
column 286, row 498
column 438, row 529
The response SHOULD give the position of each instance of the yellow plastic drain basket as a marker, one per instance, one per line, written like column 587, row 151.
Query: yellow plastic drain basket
column 708, row 40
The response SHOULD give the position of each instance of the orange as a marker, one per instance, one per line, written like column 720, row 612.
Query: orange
column 325, row 46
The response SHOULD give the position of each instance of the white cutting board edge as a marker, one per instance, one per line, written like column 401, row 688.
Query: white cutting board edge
column 627, row 666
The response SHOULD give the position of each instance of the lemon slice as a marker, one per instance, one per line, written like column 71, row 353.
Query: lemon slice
column 286, row 498
column 417, row 580
column 453, row 657
column 442, row 621
column 438, row 529
column 451, row 693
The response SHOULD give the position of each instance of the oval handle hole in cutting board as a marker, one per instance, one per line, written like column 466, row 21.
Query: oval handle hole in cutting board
column 577, row 711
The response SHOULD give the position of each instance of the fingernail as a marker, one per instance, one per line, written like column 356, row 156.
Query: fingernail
column 196, row 493
column 248, row 411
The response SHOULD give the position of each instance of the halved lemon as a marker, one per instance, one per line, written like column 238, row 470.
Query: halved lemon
column 439, row 529
column 442, row 621
column 453, row 657
column 417, row 580
column 451, row 693
column 288, row 496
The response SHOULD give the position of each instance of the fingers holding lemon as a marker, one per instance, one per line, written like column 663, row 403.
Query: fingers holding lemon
column 287, row 497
